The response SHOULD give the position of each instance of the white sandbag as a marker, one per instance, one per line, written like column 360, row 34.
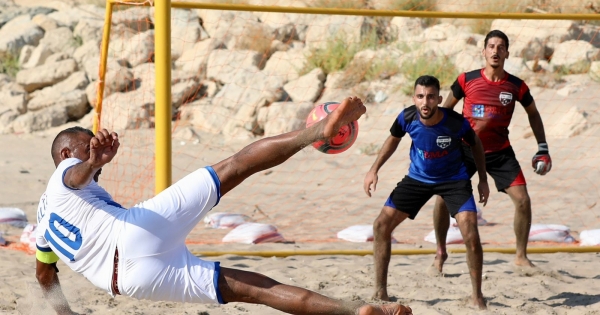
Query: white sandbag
column 358, row 234
column 480, row 220
column 221, row 220
column 550, row 233
column 13, row 216
column 28, row 236
column 453, row 237
column 253, row 233
column 590, row 237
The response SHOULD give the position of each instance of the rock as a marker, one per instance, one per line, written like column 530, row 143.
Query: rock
column 222, row 65
column 574, row 56
column 185, row 31
column 8, row 15
column 286, row 65
column 131, row 110
column 205, row 116
column 39, row 120
column 17, row 33
column 76, row 81
column 307, row 88
column 184, row 92
column 46, row 23
column 13, row 100
column 25, row 54
column 194, row 60
column 46, row 75
column 7, row 116
column 38, row 56
column 60, row 40
column 282, row 117
column 137, row 18
column 74, row 102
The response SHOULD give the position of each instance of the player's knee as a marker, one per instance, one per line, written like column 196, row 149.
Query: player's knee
column 523, row 203
column 382, row 227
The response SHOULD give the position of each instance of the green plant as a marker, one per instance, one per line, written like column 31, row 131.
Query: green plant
column 76, row 41
column 338, row 53
column 9, row 64
column 483, row 26
column 440, row 67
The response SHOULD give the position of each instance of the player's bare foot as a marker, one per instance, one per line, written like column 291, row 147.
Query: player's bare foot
column 480, row 303
column 381, row 294
column 438, row 262
column 523, row 262
column 389, row 309
column 349, row 110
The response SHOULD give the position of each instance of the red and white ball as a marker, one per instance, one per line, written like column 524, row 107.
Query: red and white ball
column 346, row 136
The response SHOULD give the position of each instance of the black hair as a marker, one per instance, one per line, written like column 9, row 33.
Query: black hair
column 428, row 80
column 496, row 33
column 60, row 138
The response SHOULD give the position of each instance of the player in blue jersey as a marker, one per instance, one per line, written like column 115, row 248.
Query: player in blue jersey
column 436, row 168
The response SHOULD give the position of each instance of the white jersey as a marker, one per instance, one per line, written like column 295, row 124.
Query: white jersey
column 80, row 226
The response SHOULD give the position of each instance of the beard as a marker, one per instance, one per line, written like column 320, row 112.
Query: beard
column 431, row 113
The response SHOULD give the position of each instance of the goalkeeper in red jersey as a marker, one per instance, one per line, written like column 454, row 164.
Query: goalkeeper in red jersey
column 490, row 95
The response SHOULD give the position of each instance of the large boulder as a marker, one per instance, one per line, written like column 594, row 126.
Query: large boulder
column 306, row 88
column 46, row 75
column 17, row 33
column 282, row 117
column 574, row 56
column 222, row 64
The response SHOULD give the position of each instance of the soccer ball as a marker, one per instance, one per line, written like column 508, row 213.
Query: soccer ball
column 346, row 136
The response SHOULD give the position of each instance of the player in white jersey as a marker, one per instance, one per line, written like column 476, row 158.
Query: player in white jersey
column 141, row 252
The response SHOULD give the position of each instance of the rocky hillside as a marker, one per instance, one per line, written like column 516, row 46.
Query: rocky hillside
column 244, row 74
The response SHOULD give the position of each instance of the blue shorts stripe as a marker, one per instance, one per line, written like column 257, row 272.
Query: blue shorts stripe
column 216, row 282
column 217, row 181
column 469, row 205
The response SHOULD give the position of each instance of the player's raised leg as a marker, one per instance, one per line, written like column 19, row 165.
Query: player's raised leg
column 384, row 225
column 249, row 287
column 272, row 151
column 522, row 222
column 441, row 224
column 467, row 222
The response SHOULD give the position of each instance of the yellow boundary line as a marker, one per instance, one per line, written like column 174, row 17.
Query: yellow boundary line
column 534, row 250
column 364, row 12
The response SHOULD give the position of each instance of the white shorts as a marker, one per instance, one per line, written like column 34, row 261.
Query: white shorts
column 154, row 262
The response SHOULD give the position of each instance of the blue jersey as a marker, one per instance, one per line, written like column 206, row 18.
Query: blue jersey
column 436, row 154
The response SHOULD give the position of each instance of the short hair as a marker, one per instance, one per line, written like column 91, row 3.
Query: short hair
column 498, row 34
column 428, row 80
column 60, row 138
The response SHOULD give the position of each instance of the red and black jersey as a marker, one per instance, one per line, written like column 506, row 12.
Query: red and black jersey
column 489, row 106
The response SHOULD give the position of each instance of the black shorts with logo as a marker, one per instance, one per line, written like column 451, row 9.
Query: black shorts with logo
column 502, row 166
column 410, row 195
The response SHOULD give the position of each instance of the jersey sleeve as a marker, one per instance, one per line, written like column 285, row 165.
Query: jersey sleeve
column 525, row 97
column 58, row 178
column 398, row 128
column 458, row 87
column 468, row 133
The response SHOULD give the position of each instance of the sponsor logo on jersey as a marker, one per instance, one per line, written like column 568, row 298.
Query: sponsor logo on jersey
column 477, row 111
column 505, row 98
column 429, row 155
column 443, row 141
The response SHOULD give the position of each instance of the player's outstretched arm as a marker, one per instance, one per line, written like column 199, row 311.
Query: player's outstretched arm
column 479, row 157
column 389, row 147
column 103, row 148
column 272, row 151
column 541, row 162
column 48, row 278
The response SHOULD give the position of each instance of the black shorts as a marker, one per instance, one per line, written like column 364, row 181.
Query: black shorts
column 410, row 195
column 502, row 166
